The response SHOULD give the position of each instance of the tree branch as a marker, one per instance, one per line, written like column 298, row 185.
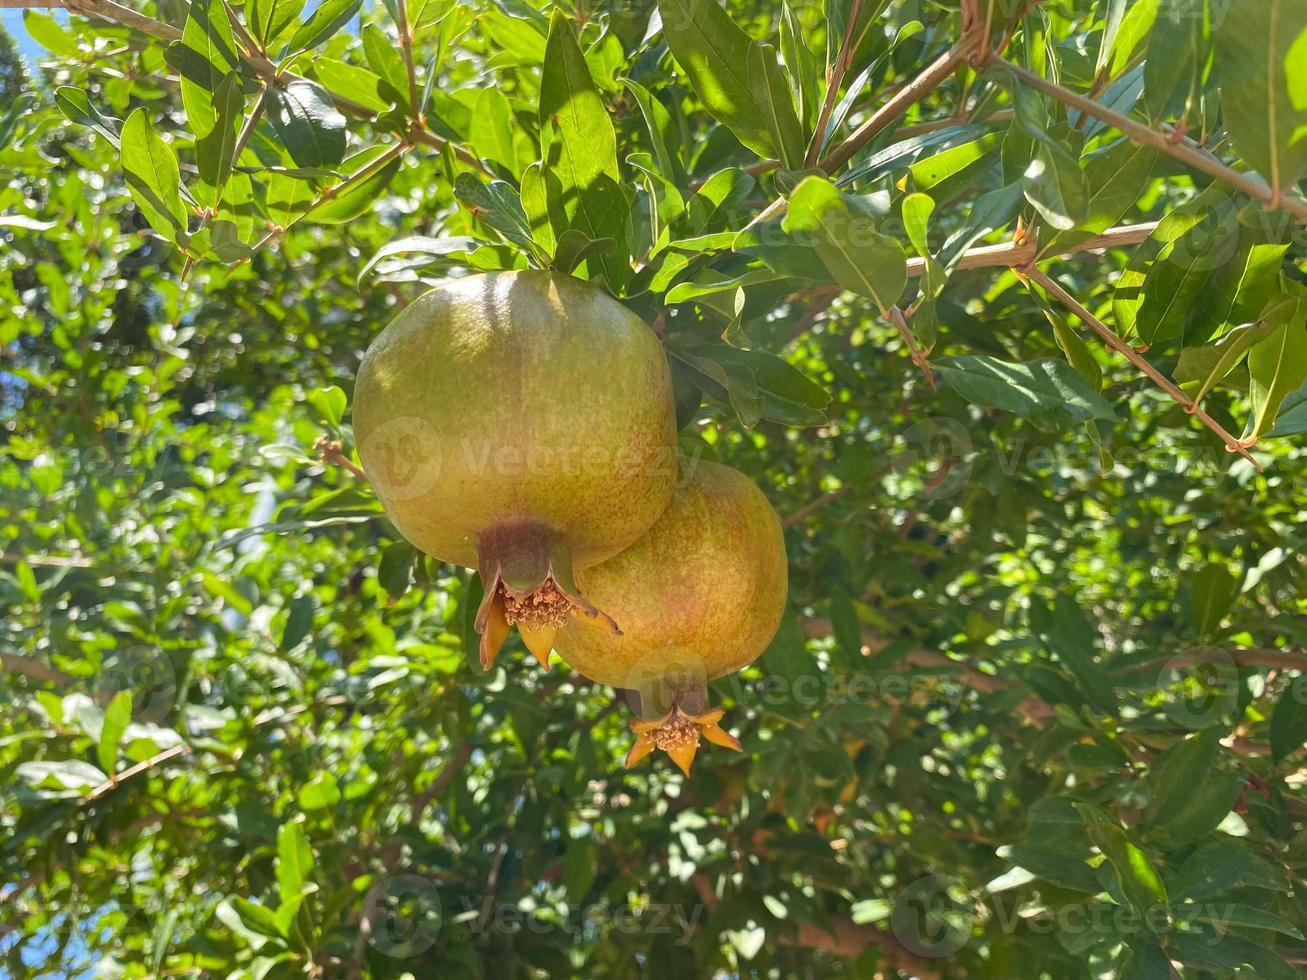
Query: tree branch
column 843, row 938
column 921, row 86
column 1172, row 144
column 1138, row 360
column 116, row 780
column 33, row 668
column 833, row 83
column 265, row 69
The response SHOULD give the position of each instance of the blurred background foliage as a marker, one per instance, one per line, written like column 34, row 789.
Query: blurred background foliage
column 1037, row 706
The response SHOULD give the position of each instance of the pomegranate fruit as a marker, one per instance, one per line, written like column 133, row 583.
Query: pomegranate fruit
column 521, row 423
column 699, row 596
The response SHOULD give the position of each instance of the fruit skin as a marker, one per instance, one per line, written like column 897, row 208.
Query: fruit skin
column 518, row 422
column 699, row 596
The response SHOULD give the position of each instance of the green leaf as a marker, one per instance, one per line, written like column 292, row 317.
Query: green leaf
column 325, row 21
column 50, row 34
column 1246, row 916
column 395, row 570
column 224, row 590
column 772, row 95
column 268, row 19
column 76, row 106
column 1289, row 722
column 664, row 137
column 1211, row 869
column 492, row 129
column 256, row 918
column 1048, row 393
column 574, row 247
column 216, row 152
column 385, row 61
column 1056, row 186
column 1207, row 366
column 117, row 716
column 1199, row 271
column 1292, row 419
column 1262, row 58
column 153, row 176
column 421, row 244
column 299, row 620
column 857, row 255
column 60, row 779
column 368, row 179
column 992, row 211
column 205, row 55
column 757, row 385
column 714, row 53
column 352, row 82
column 308, row 123
column 1071, row 638
column 1077, row 352
column 1208, row 806
column 330, row 404
column 294, row 863
column 580, row 152
column 1140, row 884
column 1277, row 366
column 939, row 167
column 1116, row 178
column 1177, row 59
column 9, row 121
column 1212, row 590
column 498, row 205
column 1144, row 960
column 319, row 793
column 801, row 66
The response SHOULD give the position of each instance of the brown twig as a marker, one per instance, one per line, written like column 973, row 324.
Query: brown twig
column 117, row 780
column 1134, row 357
column 406, row 49
column 898, row 104
column 33, row 668
column 265, row 69
column 834, row 79
column 1171, row 143
column 812, row 506
column 915, row 350
column 840, row 937
column 332, row 451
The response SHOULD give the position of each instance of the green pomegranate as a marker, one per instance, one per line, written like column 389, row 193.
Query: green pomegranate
column 521, row 423
column 699, row 596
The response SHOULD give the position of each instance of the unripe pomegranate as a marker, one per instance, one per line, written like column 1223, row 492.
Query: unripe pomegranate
column 521, row 423
column 699, row 596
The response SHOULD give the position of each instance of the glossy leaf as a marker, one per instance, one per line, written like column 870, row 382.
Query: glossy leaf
column 153, row 176
column 1049, row 394
column 310, row 126
column 1262, row 58
column 581, row 176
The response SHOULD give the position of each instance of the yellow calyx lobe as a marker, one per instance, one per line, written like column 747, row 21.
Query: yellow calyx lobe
column 678, row 734
column 528, row 582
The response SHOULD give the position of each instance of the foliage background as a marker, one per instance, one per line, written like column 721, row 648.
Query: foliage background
column 1037, row 707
